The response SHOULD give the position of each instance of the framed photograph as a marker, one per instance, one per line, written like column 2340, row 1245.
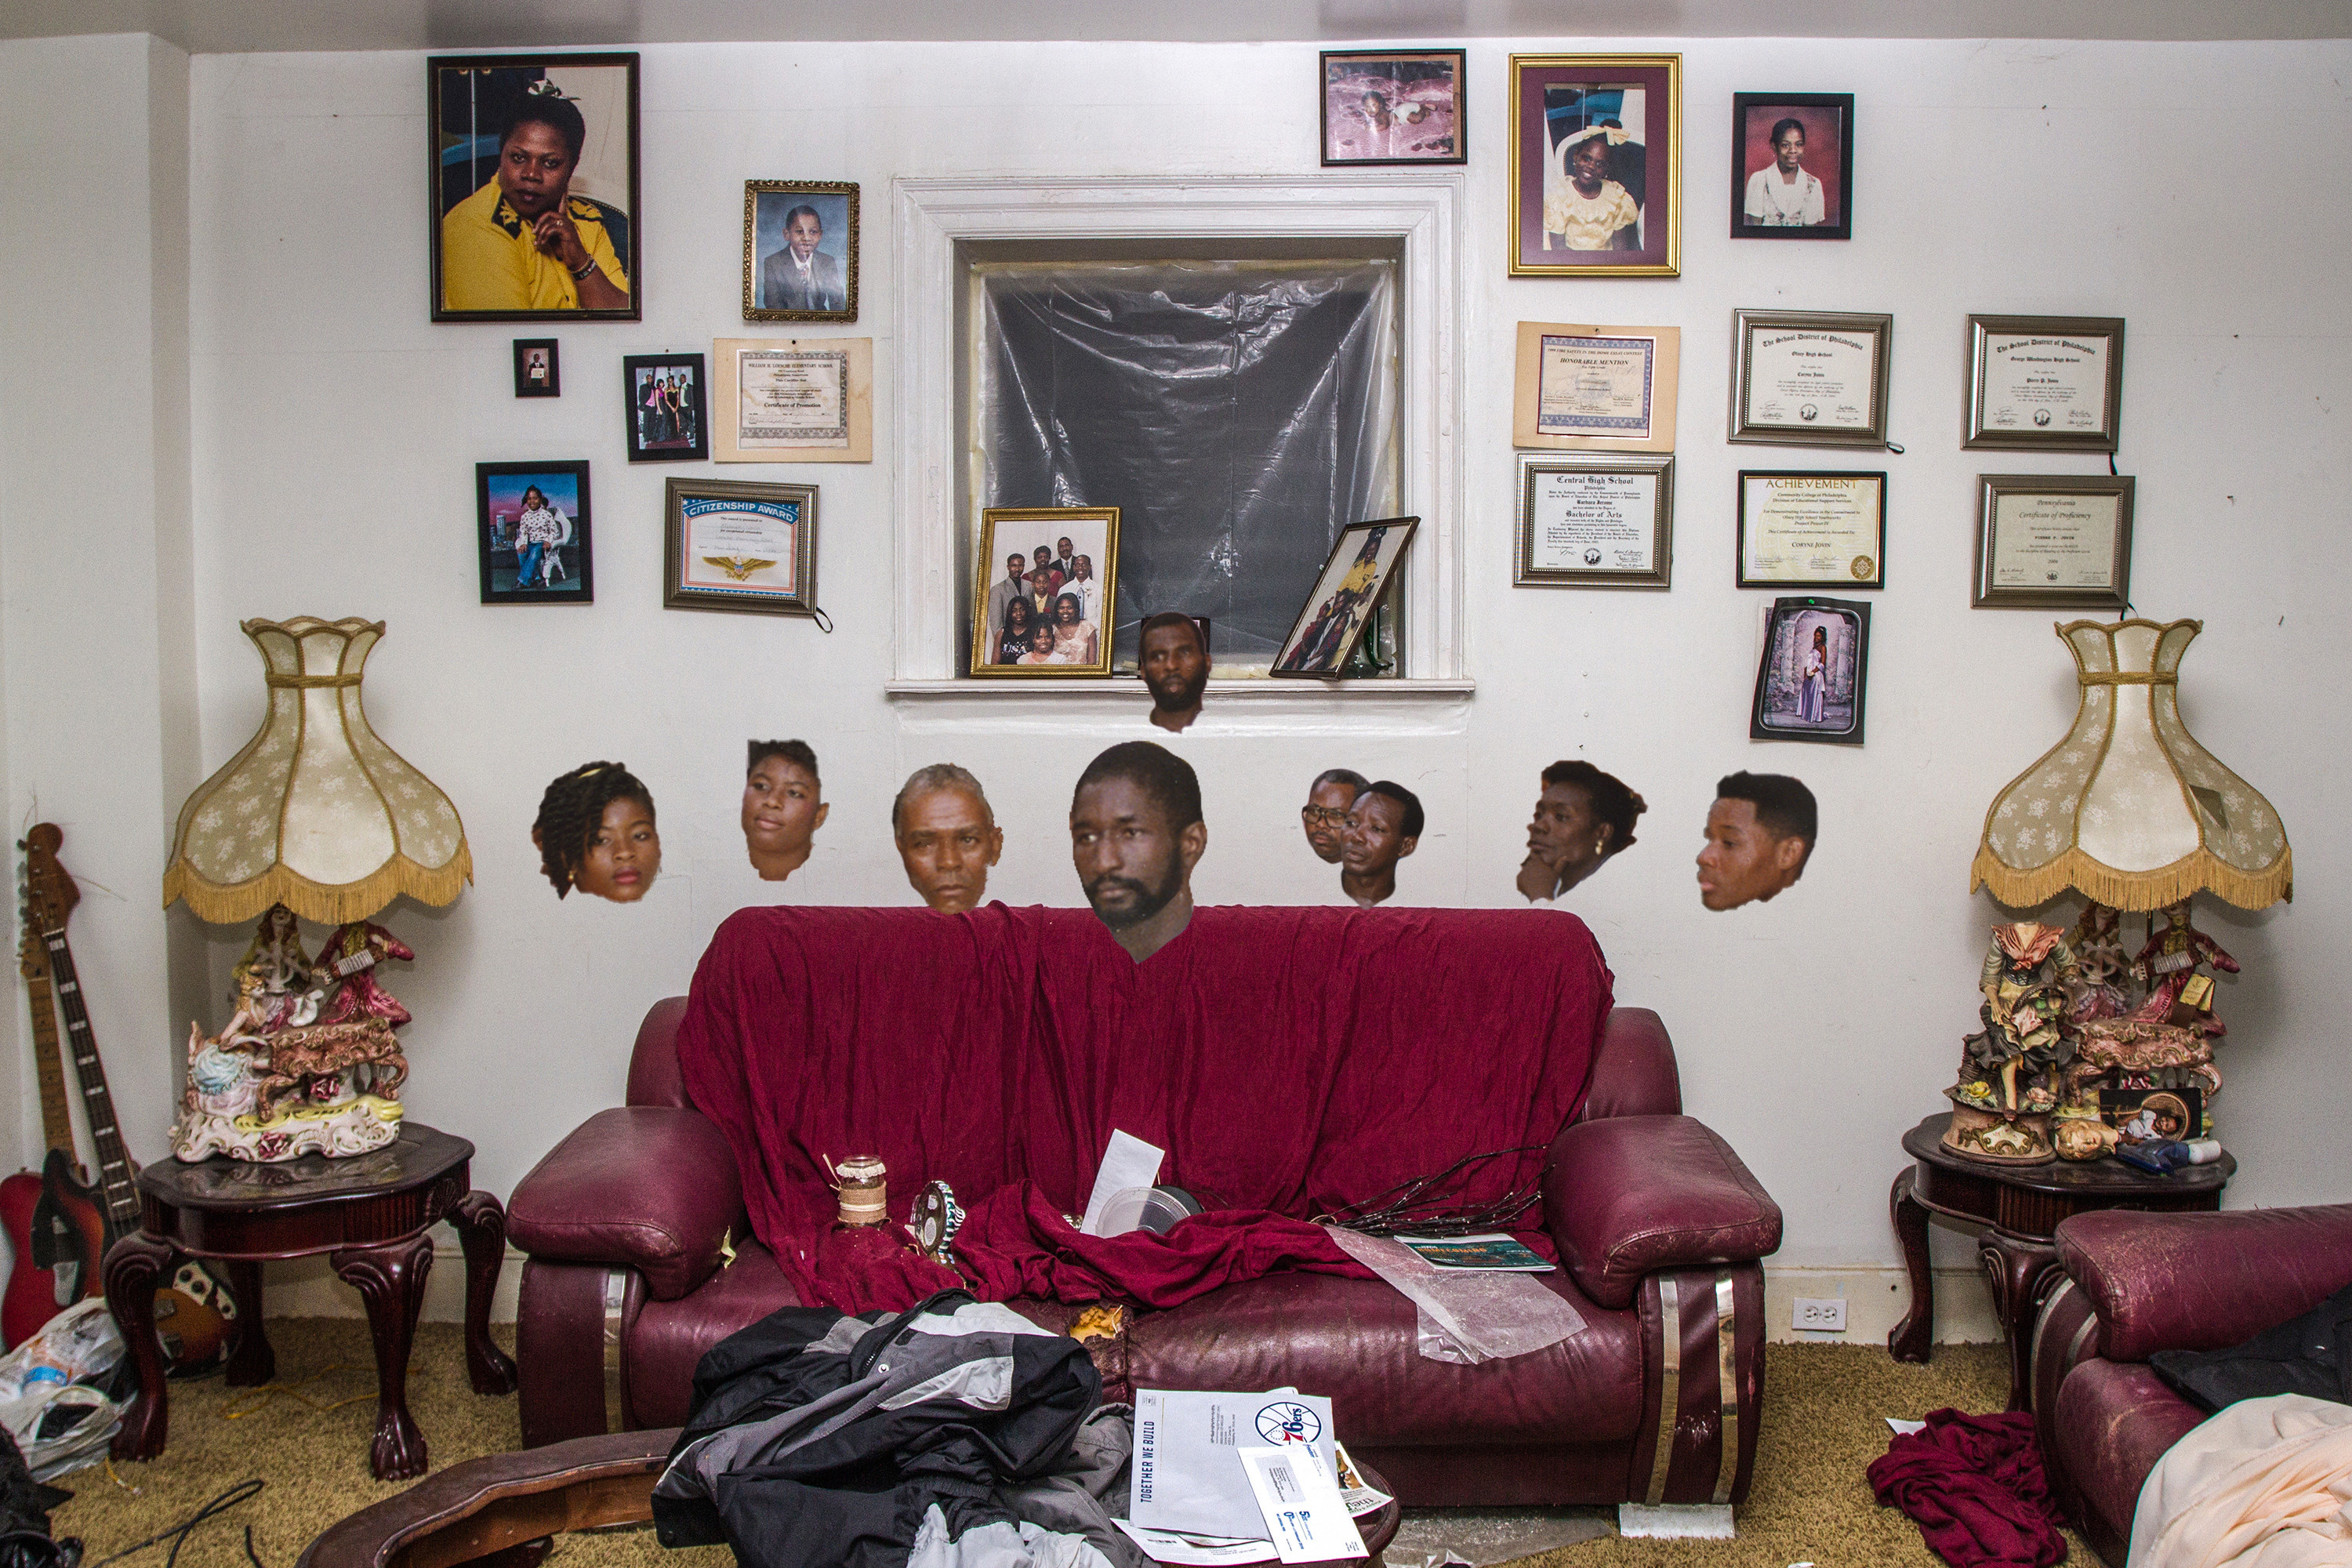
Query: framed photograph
column 794, row 400
column 2038, row 384
column 530, row 525
column 1792, row 165
column 800, row 250
column 1383, row 106
column 1811, row 530
column 1045, row 594
column 1338, row 608
column 1596, row 165
column 1595, row 388
column 738, row 546
column 2155, row 1115
column 668, row 416
column 2054, row 542
column 1601, row 521
column 1810, row 378
column 534, row 187
column 538, row 367
column 1814, row 673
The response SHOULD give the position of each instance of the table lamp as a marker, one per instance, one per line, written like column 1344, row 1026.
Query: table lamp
column 2129, row 811
column 316, row 817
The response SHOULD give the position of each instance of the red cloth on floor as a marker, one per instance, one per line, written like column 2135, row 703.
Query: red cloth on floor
column 1289, row 1060
column 1976, row 1486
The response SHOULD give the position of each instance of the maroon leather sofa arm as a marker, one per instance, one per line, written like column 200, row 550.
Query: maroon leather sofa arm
column 1629, row 1195
column 2203, row 1281
column 650, row 1186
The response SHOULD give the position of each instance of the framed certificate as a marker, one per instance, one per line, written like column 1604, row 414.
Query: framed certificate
column 1601, row 521
column 2044, row 383
column 737, row 546
column 1810, row 378
column 1813, row 530
column 792, row 400
column 2052, row 541
column 1609, row 388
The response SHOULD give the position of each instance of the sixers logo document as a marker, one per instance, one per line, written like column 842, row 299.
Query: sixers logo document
column 1188, row 1473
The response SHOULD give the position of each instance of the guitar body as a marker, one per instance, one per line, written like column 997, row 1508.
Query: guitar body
column 71, row 1228
column 31, row 1296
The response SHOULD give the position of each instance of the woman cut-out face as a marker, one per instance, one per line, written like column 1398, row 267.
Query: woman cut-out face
column 623, row 853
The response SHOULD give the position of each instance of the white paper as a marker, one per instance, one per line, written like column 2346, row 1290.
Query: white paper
column 1179, row 1551
column 1187, row 1473
column 1905, row 1429
column 1129, row 1162
column 1299, row 1499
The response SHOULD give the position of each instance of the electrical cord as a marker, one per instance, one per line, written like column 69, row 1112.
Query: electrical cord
column 244, row 1492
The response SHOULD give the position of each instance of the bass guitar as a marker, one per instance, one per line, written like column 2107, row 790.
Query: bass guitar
column 193, row 1314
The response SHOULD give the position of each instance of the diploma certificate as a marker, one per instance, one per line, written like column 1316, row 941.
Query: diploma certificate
column 1804, row 379
column 791, row 397
column 1813, row 528
column 1584, row 520
column 741, row 546
column 2058, row 384
column 1596, row 386
column 2053, row 539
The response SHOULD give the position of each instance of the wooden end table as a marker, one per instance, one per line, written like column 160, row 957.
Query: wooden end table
column 371, row 1212
column 2014, row 1211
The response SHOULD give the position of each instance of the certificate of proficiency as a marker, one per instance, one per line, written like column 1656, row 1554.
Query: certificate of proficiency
column 2058, row 540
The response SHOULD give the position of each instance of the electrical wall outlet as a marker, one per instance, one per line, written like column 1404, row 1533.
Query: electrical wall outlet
column 1824, row 1315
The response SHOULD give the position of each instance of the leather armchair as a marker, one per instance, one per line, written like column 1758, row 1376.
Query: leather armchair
column 2140, row 1283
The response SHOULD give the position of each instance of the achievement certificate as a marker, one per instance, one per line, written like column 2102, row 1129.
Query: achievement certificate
column 2054, row 541
column 1596, row 386
column 1808, row 379
column 741, row 546
column 1813, row 528
column 1589, row 520
column 791, row 397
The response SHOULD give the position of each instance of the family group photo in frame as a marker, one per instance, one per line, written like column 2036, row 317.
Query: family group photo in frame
column 1046, row 591
column 735, row 545
column 1814, row 674
column 1383, row 106
column 1596, row 165
column 1792, row 165
column 534, row 187
column 530, row 531
column 1339, row 606
column 800, row 250
column 668, row 414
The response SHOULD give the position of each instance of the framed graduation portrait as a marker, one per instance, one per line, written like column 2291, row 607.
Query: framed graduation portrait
column 800, row 250
column 534, row 187
column 1596, row 165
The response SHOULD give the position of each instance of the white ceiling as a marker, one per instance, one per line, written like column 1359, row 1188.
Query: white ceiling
column 224, row 27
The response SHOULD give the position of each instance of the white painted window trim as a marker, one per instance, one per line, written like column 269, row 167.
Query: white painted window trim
column 931, row 216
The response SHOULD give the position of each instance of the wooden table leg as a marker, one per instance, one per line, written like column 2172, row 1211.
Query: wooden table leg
column 2019, row 1272
column 391, row 1279
column 1912, row 1339
column 482, row 1231
column 251, row 1361
column 132, row 1266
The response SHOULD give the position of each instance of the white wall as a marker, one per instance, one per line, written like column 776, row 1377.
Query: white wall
column 335, row 429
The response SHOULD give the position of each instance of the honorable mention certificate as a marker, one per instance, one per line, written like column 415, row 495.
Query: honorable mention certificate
column 741, row 546
column 2066, row 539
column 1810, row 378
column 1596, row 386
column 791, row 397
column 2040, row 382
column 1812, row 528
column 1587, row 520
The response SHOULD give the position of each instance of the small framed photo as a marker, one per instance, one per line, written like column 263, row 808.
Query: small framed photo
column 2054, row 542
column 2045, row 384
column 1045, row 595
column 1810, row 378
column 1811, row 530
column 531, row 529
column 534, row 170
column 800, row 250
column 538, row 367
column 1383, row 106
column 1595, row 388
column 1339, row 605
column 1596, row 162
column 2155, row 1115
column 732, row 545
column 1597, row 521
column 1814, row 673
column 1792, row 165
column 793, row 400
column 668, row 419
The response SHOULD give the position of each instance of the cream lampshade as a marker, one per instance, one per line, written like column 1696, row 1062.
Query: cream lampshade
column 2128, row 808
column 315, row 813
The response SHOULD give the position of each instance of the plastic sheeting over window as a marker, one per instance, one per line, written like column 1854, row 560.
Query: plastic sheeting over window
column 1238, row 412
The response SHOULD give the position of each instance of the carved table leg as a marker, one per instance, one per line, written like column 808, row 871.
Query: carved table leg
column 391, row 1279
column 1911, row 1339
column 251, row 1361
column 482, row 1230
column 2019, row 1272
column 133, row 1266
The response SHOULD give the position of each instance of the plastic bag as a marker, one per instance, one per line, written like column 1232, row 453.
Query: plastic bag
column 1465, row 1316
column 47, row 1403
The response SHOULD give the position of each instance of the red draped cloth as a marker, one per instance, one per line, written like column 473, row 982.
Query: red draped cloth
column 1976, row 1486
column 1289, row 1060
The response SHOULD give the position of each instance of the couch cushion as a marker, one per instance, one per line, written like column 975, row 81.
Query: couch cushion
column 649, row 1186
column 2115, row 1420
column 669, row 1337
column 1353, row 1339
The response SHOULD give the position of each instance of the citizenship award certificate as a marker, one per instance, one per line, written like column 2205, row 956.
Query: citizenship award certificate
column 1813, row 528
column 2045, row 381
column 1596, row 386
column 2053, row 539
column 791, row 397
column 740, row 546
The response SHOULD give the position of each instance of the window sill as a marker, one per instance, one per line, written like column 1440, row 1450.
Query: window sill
column 1265, row 707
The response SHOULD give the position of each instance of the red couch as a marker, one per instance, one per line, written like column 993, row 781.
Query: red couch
column 1657, row 1222
column 2140, row 1283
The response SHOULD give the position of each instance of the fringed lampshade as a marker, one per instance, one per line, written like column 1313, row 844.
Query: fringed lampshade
column 316, row 813
column 2129, row 809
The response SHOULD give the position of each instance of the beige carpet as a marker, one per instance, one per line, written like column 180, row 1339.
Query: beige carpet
column 1822, row 1423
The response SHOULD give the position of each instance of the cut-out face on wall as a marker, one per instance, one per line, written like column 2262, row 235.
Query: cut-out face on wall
column 947, row 842
column 1760, row 834
column 783, row 806
column 1136, row 832
column 1324, row 817
column 1174, row 667
column 1384, row 828
column 1583, row 818
column 623, row 853
column 594, row 834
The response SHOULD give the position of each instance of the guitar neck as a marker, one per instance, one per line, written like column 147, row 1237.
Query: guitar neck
column 56, row 1121
column 113, row 1161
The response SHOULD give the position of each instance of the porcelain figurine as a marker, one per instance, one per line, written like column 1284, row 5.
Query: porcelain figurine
column 2106, row 969
column 2009, row 1072
column 2178, row 994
